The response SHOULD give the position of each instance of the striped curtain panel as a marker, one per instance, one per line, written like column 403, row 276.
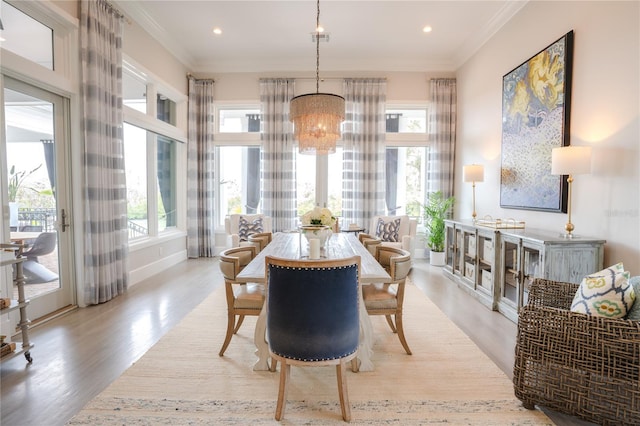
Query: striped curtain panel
column 442, row 134
column 200, row 170
column 278, row 154
column 363, row 150
column 105, row 194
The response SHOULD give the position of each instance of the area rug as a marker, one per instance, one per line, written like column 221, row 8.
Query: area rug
column 183, row 381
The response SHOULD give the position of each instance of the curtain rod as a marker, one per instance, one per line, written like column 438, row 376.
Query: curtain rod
column 340, row 78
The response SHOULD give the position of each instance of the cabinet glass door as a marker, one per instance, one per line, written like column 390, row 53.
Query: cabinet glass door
column 510, row 272
column 531, row 265
column 485, row 251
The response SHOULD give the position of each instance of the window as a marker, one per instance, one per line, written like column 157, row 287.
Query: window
column 406, row 120
column 406, row 180
column 237, row 160
column 166, row 109
column 152, row 144
column 239, row 183
column 406, row 159
column 319, row 182
column 239, row 120
column 26, row 37
column 134, row 88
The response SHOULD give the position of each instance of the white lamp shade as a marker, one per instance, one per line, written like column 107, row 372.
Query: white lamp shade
column 473, row 173
column 571, row 160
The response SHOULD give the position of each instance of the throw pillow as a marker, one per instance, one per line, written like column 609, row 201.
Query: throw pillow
column 388, row 231
column 634, row 312
column 246, row 228
column 606, row 293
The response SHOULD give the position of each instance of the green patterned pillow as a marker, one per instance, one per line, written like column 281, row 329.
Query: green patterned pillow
column 634, row 312
column 606, row 293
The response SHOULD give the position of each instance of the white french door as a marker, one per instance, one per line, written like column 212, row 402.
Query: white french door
column 34, row 152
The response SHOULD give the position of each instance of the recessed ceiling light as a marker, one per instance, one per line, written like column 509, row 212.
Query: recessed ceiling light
column 427, row 29
column 217, row 31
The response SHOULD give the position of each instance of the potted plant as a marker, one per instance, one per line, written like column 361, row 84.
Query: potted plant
column 435, row 212
column 16, row 180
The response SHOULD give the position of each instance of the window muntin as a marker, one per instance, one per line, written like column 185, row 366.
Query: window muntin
column 26, row 37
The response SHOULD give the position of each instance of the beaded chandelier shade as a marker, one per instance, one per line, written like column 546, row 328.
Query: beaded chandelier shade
column 317, row 116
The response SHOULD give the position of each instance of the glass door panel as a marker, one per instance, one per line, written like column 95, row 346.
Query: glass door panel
column 35, row 126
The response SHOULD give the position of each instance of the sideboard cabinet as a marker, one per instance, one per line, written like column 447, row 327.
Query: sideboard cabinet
column 498, row 265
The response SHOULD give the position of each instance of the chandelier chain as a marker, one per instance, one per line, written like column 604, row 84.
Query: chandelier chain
column 318, row 48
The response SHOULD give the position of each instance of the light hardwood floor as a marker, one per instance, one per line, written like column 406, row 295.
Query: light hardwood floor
column 78, row 355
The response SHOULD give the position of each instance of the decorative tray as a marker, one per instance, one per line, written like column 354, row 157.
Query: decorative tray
column 489, row 222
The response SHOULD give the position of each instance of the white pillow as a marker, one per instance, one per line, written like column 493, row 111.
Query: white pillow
column 606, row 293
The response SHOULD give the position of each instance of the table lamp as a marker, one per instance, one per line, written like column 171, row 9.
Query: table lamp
column 570, row 160
column 473, row 173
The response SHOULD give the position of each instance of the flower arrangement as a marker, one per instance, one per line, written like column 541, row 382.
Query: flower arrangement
column 319, row 216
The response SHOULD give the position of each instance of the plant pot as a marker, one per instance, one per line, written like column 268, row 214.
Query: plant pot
column 436, row 258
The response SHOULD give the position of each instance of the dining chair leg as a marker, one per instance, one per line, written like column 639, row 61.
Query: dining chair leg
column 390, row 322
column 401, row 334
column 230, row 327
column 343, row 392
column 273, row 364
column 285, row 372
column 239, row 323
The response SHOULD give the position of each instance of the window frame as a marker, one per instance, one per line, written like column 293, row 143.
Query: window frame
column 151, row 124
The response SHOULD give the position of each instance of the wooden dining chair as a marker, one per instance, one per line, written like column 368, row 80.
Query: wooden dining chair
column 313, row 318
column 369, row 242
column 387, row 298
column 260, row 240
column 242, row 299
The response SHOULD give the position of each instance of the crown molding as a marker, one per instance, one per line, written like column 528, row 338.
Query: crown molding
column 473, row 44
column 135, row 12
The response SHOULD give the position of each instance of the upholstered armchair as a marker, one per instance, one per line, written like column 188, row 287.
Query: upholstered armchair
column 239, row 226
column 260, row 240
column 369, row 242
column 313, row 318
column 394, row 231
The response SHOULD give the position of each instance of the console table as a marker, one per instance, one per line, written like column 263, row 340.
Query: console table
column 498, row 265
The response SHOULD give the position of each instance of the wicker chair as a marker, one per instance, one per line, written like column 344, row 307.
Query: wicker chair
column 574, row 363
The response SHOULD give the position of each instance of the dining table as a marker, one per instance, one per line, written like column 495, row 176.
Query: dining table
column 292, row 245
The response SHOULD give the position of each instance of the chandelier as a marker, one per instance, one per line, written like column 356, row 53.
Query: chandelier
column 317, row 116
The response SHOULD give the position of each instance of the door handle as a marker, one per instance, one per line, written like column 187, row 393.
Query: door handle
column 63, row 223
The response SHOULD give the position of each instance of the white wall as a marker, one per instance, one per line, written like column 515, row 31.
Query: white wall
column 604, row 115
column 401, row 86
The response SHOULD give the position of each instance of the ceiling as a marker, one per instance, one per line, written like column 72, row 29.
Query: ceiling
column 269, row 36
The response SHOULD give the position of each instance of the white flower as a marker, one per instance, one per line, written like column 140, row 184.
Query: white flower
column 318, row 216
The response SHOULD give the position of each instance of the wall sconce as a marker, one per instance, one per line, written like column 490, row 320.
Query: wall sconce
column 473, row 173
column 570, row 160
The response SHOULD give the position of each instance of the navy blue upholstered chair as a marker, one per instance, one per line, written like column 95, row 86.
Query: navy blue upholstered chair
column 313, row 318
